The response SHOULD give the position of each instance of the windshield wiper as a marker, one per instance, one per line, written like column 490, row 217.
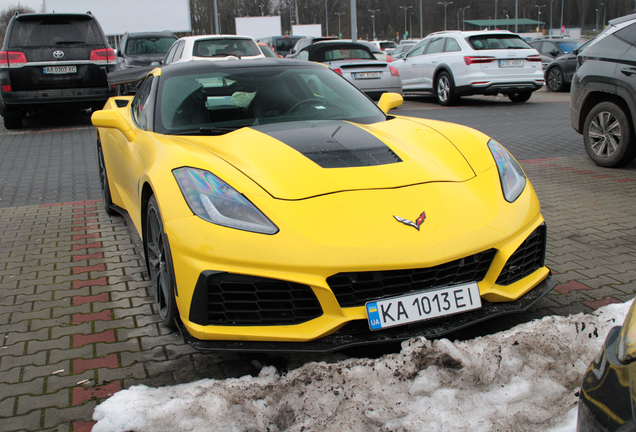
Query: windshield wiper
column 67, row 42
column 207, row 130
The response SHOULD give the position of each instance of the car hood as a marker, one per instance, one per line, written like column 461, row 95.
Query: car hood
column 298, row 160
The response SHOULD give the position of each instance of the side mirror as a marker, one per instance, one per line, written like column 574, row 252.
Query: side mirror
column 554, row 53
column 388, row 101
column 155, row 63
column 113, row 120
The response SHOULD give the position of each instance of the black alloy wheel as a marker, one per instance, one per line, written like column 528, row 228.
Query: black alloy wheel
column 555, row 80
column 608, row 136
column 445, row 89
column 103, row 181
column 160, row 267
column 12, row 119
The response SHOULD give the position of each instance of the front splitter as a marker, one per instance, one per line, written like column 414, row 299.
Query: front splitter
column 358, row 333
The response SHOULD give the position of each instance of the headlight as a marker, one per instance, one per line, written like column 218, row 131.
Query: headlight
column 626, row 349
column 513, row 180
column 215, row 201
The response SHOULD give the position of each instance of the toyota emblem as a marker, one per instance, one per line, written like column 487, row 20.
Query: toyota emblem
column 58, row 54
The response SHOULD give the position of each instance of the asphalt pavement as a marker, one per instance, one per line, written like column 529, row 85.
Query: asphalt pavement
column 76, row 313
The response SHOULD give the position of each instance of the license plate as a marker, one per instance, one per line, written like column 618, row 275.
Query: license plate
column 60, row 70
column 412, row 308
column 510, row 63
column 367, row 75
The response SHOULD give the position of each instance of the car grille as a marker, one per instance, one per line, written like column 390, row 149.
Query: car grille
column 528, row 258
column 356, row 288
column 237, row 300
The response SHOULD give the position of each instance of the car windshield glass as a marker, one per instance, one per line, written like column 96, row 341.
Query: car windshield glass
column 346, row 54
column 494, row 42
column 159, row 45
column 285, row 44
column 225, row 47
column 54, row 32
column 389, row 45
column 568, row 47
column 203, row 102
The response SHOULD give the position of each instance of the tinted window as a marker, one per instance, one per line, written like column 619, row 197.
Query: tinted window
column 139, row 104
column 492, row 42
column 179, row 51
column 225, row 47
column 418, row 49
column 285, row 44
column 436, row 46
column 628, row 34
column 347, row 54
column 452, row 45
column 158, row 45
column 385, row 45
column 568, row 47
column 54, row 31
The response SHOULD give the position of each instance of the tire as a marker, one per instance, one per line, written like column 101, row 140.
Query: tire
column 160, row 266
column 12, row 121
column 608, row 136
column 445, row 90
column 103, row 181
column 555, row 80
column 519, row 97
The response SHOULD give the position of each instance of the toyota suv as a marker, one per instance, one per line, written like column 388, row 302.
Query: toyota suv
column 53, row 60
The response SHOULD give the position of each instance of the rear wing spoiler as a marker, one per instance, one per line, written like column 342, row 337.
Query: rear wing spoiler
column 129, row 76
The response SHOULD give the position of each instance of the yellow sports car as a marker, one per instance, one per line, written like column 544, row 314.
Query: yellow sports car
column 281, row 209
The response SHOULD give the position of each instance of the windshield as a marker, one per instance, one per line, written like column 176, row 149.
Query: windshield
column 497, row 41
column 343, row 54
column 569, row 47
column 225, row 47
column 220, row 101
column 54, row 31
column 155, row 45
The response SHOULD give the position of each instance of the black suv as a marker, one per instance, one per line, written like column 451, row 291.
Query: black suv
column 53, row 60
column 141, row 49
column 603, row 94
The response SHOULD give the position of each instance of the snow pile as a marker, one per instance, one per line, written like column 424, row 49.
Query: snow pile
column 522, row 379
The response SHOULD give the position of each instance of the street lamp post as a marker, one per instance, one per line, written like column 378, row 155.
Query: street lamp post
column 551, row 17
column 596, row 25
column 539, row 14
column 291, row 22
column 373, row 18
column 444, row 4
column 603, row 24
column 406, row 8
column 464, row 17
column 495, row 15
column 339, row 13
column 410, row 25
column 261, row 6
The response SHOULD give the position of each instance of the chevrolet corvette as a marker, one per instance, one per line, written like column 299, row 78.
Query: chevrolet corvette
column 281, row 209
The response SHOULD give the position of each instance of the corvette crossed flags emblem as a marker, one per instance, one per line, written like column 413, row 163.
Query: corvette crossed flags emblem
column 410, row 223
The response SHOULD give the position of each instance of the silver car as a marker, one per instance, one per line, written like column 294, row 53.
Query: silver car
column 356, row 63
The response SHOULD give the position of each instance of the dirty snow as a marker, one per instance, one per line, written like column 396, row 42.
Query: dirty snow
column 522, row 379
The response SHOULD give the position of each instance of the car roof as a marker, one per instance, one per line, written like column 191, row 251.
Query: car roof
column 36, row 16
column 324, row 45
column 146, row 34
column 208, row 37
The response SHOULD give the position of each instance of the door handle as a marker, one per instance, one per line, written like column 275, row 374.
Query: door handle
column 435, row 61
column 628, row 71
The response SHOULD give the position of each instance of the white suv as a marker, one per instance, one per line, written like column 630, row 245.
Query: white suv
column 213, row 48
column 454, row 63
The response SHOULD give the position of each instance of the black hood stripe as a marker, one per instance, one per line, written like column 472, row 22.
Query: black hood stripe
column 332, row 144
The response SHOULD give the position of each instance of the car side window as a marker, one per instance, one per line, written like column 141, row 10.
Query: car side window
column 139, row 104
column 179, row 51
column 452, row 45
column 418, row 49
column 628, row 34
column 170, row 54
column 303, row 55
column 436, row 46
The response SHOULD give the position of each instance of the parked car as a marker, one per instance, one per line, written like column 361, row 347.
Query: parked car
column 454, row 63
column 603, row 101
column 607, row 392
column 142, row 49
column 400, row 51
column 409, row 41
column 377, row 52
column 306, row 41
column 387, row 46
column 267, row 50
column 275, row 218
column 558, row 61
column 213, row 48
column 356, row 63
column 54, row 60
column 281, row 45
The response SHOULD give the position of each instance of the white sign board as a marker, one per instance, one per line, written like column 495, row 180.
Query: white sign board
column 120, row 16
column 314, row 30
column 258, row 27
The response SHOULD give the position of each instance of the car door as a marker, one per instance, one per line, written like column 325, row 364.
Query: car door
column 406, row 66
column 427, row 64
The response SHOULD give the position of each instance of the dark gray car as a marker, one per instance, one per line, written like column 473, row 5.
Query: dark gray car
column 558, row 61
column 603, row 94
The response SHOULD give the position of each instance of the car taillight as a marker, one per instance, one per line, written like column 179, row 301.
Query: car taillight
column 103, row 55
column 394, row 71
column 534, row 58
column 6, row 88
column 12, row 58
column 389, row 58
column 470, row 60
column 337, row 70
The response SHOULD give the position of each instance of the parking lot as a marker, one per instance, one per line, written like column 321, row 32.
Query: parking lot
column 76, row 317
